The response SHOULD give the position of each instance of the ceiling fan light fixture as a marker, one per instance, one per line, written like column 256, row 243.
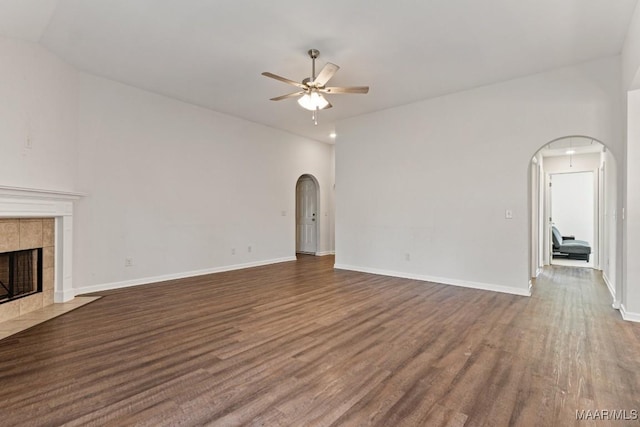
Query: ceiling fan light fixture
column 313, row 101
column 313, row 87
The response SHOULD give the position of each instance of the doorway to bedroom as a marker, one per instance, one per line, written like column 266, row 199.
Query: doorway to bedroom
column 572, row 198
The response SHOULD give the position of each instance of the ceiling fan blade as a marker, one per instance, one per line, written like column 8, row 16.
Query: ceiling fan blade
column 289, row 95
column 328, row 106
column 352, row 89
column 283, row 79
column 325, row 74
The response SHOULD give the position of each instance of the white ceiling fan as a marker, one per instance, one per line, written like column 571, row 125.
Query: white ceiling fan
column 312, row 88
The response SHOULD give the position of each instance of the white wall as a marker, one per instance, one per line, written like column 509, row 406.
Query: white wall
column 631, row 53
column 572, row 205
column 332, row 202
column 175, row 187
column 631, row 294
column 172, row 186
column 433, row 179
column 629, row 273
column 38, row 107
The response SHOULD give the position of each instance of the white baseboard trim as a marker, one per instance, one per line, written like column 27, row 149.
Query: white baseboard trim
column 626, row 315
column 440, row 280
column 165, row 277
column 325, row 253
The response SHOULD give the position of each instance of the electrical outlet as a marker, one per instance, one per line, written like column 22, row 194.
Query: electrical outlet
column 249, row 248
column 128, row 262
column 407, row 257
column 508, row 214
column 233, row 251
column 28, row 143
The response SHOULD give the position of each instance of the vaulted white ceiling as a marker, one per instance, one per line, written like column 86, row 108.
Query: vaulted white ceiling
column 211, row 52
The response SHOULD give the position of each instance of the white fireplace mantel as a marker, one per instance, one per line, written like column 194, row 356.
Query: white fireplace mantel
column 17, row 202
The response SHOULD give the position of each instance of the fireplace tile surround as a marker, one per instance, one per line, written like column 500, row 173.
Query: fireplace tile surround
column 31, row 218
column 29, row 233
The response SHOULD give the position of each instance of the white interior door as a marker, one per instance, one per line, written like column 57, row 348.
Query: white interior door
column 306, row 215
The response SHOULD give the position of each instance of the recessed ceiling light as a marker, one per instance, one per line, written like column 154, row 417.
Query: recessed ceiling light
column 571, row 151
column 332, row 135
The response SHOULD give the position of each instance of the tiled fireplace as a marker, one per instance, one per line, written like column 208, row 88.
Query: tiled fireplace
column 36, row 228
column 27, row 248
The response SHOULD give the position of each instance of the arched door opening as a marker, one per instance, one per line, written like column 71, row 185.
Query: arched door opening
column 573, row 198
column 307, row 208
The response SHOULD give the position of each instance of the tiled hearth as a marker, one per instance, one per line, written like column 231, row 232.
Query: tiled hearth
column 26, row 321
column 29, row 233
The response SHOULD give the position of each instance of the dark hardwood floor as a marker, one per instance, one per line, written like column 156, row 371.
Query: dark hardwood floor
column 301, row 344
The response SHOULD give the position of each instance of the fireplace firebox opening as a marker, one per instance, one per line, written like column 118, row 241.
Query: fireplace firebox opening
column 20, row 274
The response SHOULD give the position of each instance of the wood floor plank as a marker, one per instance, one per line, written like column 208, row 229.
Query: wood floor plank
column 299, row 343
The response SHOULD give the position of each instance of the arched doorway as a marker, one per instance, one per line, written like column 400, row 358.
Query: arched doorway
column 567, row 157
column 307, row 208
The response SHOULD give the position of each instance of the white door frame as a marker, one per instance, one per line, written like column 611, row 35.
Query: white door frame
column 536, row 261
column 548, row 245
